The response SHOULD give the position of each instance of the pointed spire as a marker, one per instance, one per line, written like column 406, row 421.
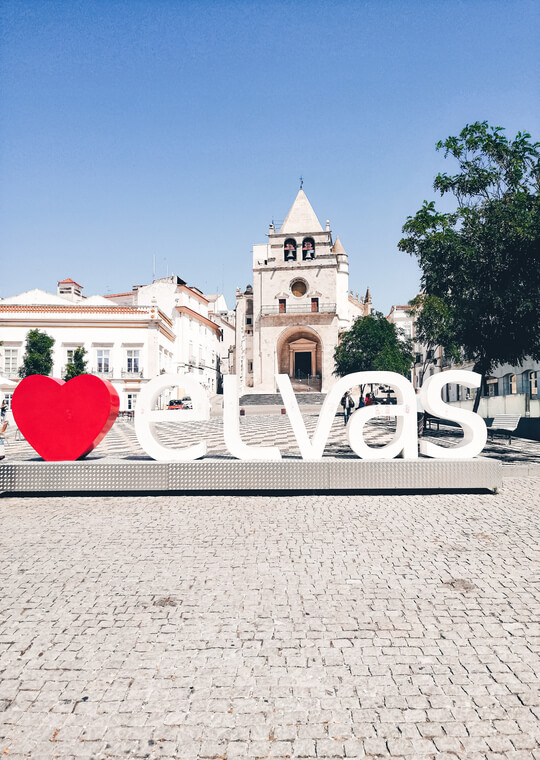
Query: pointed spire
column 367, row 297
column 337, row 247
column 301, row 217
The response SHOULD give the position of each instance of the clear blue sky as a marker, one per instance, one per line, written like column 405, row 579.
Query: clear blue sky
column 180, row 129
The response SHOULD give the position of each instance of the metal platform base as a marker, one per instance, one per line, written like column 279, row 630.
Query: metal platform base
column 231, row 475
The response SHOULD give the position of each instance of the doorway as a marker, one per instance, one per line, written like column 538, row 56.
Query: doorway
column 302, row 363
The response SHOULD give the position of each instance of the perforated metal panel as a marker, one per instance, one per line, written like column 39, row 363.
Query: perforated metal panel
column 234, row 475
column 84, row 476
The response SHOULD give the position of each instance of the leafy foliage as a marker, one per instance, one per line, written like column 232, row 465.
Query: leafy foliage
column 77, row 366
column 481, row 263
column 37, row 359
column 433, row 318
column 372, row 343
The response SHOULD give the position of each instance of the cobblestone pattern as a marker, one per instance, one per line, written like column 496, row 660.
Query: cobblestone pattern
column 263, row 627
column 274, row 429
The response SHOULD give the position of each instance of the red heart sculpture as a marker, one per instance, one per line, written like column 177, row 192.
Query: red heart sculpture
column 64, row 421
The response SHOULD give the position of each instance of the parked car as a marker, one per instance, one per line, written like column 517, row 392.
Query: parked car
column 187, row 403
column 175, row 404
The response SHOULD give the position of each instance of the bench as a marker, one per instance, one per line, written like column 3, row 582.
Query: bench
column 430, row 420
column 504, row 424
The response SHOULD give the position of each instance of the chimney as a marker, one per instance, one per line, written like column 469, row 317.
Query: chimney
column 69, row 289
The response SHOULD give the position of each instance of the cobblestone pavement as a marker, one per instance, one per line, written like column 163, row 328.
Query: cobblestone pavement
column 262, row 627
column 275, row 429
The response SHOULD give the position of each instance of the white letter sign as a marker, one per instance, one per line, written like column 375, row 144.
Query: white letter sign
column 406, row 438
column 404, row 443
column 231, row 427
column 145, row 415
column 474, row 427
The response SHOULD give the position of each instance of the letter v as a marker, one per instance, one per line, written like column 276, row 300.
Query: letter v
column 313, row 449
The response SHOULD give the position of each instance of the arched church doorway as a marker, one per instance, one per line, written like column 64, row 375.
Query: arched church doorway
column 299, row 355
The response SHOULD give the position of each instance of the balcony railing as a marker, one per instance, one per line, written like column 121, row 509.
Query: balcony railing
column 132, row 373
column 304, row 308
column 11, row 373
column 100, row 372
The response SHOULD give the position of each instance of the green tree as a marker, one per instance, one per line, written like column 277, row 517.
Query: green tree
column 481, row 262
column 77, row 366
column 373, row 343
column 432, row 318
column 37, row 359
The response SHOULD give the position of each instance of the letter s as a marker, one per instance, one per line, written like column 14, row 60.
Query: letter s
column 474, row 427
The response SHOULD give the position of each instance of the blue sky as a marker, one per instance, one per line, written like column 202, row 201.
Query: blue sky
column 180, row 129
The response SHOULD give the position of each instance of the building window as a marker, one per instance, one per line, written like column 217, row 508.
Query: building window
column 132, row 360
column 299, row 288
column 248, row 320
column 289, row 250
column 7, row 399
column 282, row 305
column 492, row 386
column 131, row 401
column 69, row 355
column 103, row 360
column 10, row 361
column 533, row 384
column 250, row 366
column 509, row 385
column 308, row 249
column 314, row 304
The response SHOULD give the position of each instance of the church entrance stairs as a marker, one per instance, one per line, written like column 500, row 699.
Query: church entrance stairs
column 305, row 385
column 274, row 399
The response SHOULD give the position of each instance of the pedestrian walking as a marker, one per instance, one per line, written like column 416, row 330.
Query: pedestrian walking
column 3, row 409
column 347, row 402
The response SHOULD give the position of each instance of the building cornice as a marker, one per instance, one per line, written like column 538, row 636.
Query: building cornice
column 192, row 292
column 199, row 317
column 83, row 323
column 82, row 309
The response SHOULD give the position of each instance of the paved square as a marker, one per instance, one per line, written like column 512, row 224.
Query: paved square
column 252, row 627
column 274, row 429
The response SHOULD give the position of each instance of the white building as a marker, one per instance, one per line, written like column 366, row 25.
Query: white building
column 289, row 321
column 197, row 337
column 129, row 338
column 224, row 318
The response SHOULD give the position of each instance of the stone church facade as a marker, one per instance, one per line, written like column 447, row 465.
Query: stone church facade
column 289, row 321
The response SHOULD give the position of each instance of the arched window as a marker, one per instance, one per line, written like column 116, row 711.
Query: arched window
column 308, row 248
column 289, row 249
column 509, row 384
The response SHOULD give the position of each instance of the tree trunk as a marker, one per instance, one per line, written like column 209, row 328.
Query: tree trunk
column 477, row 398
column 482, row 370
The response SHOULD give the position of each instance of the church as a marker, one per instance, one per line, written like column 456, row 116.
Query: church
column 290, row 319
